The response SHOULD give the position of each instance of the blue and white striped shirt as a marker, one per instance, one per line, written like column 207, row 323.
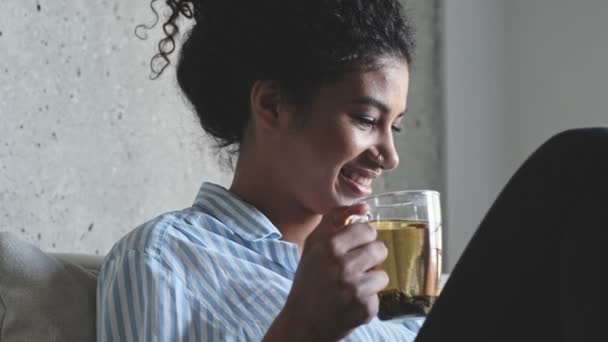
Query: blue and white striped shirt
column 216, row 271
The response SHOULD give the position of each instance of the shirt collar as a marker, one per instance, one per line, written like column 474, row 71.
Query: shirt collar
column 239, row 216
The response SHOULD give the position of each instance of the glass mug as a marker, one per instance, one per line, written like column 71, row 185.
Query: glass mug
column 409, row 224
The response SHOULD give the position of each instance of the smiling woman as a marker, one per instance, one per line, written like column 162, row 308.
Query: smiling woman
column 307, row 96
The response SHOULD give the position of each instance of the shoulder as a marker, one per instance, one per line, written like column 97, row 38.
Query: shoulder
column 168, row 237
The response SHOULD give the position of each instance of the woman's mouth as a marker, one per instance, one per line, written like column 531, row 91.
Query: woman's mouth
column 359, row 181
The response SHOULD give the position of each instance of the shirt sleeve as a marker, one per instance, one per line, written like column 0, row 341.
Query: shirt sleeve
column 140, row 299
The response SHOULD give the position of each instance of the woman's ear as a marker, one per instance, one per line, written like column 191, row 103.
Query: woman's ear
column 265, row 103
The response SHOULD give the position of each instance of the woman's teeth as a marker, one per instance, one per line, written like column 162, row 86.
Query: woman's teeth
column 362, row 180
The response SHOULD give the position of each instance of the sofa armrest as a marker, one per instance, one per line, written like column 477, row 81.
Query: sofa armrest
column 87, row 261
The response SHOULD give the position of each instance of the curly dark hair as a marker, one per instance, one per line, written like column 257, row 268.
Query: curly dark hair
column 300, row 43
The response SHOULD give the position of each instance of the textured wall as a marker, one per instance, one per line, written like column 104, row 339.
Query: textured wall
column 90, row 147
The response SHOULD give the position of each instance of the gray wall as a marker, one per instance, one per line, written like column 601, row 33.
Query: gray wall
column 517, row 72
column 90, row 147
column 475, row 116
column 557, row 54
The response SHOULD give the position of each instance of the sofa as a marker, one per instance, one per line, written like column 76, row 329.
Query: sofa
column 46, row 297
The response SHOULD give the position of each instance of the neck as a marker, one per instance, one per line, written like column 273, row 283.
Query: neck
column 257, row 186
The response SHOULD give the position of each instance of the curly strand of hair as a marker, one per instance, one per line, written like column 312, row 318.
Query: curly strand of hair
column 166, row 46
column 138, row 29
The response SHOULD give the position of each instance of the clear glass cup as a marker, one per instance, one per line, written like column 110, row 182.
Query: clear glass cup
column 409, row 224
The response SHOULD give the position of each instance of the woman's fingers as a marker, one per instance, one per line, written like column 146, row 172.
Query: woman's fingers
column 366, row 257
column 363, row 301
column 373, row 282
column 352, row 237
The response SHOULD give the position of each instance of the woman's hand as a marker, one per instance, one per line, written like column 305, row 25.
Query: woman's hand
column 336, row 287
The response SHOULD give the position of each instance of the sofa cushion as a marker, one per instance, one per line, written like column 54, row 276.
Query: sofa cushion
column 43, row 298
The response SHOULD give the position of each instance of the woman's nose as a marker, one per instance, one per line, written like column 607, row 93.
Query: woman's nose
column 388, row 152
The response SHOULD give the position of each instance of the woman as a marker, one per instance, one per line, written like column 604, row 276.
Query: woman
column 309, row 95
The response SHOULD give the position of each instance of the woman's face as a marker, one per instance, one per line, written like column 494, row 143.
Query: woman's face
column 339, row 144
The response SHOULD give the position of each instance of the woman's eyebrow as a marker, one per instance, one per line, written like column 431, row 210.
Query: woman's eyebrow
column 370, row 101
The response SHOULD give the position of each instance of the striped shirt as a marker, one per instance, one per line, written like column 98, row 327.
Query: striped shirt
column 217, row 271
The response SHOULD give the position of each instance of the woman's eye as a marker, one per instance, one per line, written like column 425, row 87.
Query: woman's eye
column 365, row 121
column 397, row 129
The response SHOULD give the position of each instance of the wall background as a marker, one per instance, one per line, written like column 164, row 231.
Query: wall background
column 475, row 115
column 516, row 73
column 90, row 147
column 556, row 54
